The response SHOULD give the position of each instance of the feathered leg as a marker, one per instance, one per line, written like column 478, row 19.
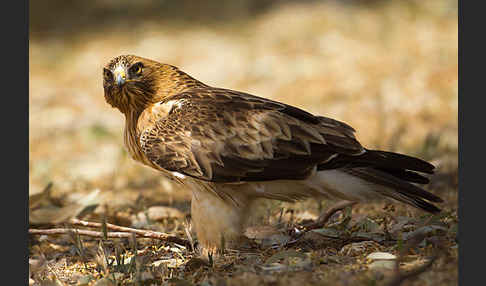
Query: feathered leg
column 218, row 220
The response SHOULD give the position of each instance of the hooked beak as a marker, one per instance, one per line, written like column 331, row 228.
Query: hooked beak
column 120, row 76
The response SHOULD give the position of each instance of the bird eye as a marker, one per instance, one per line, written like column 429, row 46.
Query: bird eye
column 107, row 74
column 136, row 69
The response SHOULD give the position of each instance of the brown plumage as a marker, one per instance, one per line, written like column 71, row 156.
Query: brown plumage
column 231, row 147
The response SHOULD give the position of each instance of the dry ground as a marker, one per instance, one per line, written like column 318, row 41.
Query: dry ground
column 389, row 70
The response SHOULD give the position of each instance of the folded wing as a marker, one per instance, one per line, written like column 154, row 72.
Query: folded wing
column 227, row 136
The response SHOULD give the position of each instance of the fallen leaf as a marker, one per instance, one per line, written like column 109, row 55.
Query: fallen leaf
column 358, row 248
column 275, row 240
column 381, row 256
column 425, row 230
column 378, row 237
column 161, row 212
column 329, row 232
column 54, row 215
column 285, row 255
column 104, row 282
column 38, row 199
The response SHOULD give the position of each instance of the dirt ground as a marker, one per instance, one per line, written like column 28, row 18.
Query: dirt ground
column 390, row 70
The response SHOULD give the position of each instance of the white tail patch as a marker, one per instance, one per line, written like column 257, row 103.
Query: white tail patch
column 330, row 184
column 343, row 185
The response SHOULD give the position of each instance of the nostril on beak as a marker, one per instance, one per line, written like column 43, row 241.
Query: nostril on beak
column 120, row 75
column 120, row 79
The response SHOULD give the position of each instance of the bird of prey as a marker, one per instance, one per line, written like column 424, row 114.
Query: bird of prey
column 231, row 147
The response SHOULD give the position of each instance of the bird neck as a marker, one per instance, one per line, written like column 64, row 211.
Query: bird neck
column 165, row 81
column 171, row 81
column 174, row 82
column 132, row 137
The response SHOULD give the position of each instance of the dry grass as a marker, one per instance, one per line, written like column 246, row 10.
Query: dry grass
column 390, row 71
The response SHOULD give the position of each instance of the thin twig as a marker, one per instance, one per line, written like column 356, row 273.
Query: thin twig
column 299, row 233
column 139, row 232
column 121, row 232
column 79, row 231
column 323, row 218
column 400, row 276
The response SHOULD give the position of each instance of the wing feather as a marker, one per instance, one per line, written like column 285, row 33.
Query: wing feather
column 227, row 136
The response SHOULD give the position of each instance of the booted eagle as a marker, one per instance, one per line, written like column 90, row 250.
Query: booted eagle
column 232, row 147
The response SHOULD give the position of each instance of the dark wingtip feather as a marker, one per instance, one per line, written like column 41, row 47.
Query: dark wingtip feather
column 398, row 189
column 408, row 188
column 401, row 161
column 406, row 175
column 426, row 206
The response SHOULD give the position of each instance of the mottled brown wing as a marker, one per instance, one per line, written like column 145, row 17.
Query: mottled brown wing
column 228, row 136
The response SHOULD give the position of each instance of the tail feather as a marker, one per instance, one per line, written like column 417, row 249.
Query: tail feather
column 406, row 175
column 396, row 161
column 396, row 188
column 372, row 175
column 402, row 166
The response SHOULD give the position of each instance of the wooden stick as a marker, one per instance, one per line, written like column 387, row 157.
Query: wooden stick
column 400, row 276
column 121, row 232
column 91, row 233
column 323, row 218
column 141, row 232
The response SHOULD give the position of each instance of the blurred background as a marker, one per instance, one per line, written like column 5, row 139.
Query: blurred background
column 388, row 68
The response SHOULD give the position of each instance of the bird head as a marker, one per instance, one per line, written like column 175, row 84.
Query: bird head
column 132, row 83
